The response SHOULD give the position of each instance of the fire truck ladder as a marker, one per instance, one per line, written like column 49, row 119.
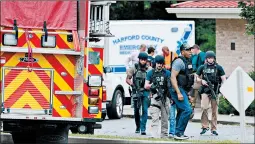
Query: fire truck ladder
column 99, row 19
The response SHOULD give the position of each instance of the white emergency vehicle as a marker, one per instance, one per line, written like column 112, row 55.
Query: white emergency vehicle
column 128, row 36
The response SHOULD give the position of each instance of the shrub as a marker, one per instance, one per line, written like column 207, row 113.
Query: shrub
column 225, row 107
column 252, row 75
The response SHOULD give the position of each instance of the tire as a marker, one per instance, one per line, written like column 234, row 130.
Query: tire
column 90, row 130
column 74, row 130
column 24, row 137
column 116, row 109
column 103, row 116
column 59, row 135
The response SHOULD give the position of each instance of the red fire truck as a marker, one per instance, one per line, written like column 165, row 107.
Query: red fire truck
column 51, row 81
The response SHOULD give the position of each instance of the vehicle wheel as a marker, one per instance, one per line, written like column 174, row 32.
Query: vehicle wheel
column 24, row 137
column 116, row 109
column 54, row 136
column 74, row 130
column 103, row 116
column 90, row 130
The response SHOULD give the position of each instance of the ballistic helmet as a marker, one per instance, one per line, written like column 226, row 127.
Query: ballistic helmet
column 143, row 55
column 210, row 54
column 159, row 59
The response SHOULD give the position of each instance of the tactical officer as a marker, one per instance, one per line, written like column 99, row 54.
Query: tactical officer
column 139, row 94
column 212, row 75
column 158, row 81
column 182, row 80
column 133, row 58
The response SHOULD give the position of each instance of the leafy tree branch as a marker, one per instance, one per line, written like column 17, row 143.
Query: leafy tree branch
column 248, row 13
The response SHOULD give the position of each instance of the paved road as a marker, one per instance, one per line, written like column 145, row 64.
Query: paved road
column 126, row 127
column 224, row 119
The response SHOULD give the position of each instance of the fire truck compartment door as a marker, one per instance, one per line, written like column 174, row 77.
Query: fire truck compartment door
column 27, row 91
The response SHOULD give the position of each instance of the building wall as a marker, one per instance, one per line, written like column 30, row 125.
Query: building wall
column 233, row 31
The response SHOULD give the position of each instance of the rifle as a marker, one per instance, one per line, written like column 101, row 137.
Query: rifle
column 156, row 89
column 211, row 87
column 137, row 93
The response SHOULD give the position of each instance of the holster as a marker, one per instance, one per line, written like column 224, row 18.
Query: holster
column 137, row 95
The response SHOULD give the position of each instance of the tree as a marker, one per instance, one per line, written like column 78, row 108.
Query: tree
column 154, row 10
column 248, row 13
column 140, row 10
column 205, row 34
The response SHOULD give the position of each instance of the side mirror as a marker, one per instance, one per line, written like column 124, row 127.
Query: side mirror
column 107, row 69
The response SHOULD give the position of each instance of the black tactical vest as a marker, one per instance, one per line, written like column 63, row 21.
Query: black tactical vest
column 139, row 77
column 211, row 72
column 185, row 78
column 159, row 78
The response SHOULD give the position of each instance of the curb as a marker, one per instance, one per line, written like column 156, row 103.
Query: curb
column 7, row 139
column 199, row 120
column 119, row 141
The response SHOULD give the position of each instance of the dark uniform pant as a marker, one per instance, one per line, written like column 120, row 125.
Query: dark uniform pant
column 141, row 121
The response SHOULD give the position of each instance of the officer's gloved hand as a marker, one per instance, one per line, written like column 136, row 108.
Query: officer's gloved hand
column 153, row 89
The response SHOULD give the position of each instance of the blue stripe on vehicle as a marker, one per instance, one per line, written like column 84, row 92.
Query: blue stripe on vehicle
column 183, row 39
column 118, row 68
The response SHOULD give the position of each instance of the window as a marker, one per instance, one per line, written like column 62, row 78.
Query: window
column 233, row 46
column 94, row 58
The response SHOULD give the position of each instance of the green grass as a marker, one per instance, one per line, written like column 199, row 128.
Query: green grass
column 150, row 139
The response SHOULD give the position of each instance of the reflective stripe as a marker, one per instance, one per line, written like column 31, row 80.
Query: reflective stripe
column 118, row 68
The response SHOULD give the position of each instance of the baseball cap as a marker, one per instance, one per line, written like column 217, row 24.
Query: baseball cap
column 195, row 46
column 185, row 46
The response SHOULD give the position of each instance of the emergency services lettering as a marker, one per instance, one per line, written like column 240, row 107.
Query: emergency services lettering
column 152, row 38
column 128, row 49
column 137, row 37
